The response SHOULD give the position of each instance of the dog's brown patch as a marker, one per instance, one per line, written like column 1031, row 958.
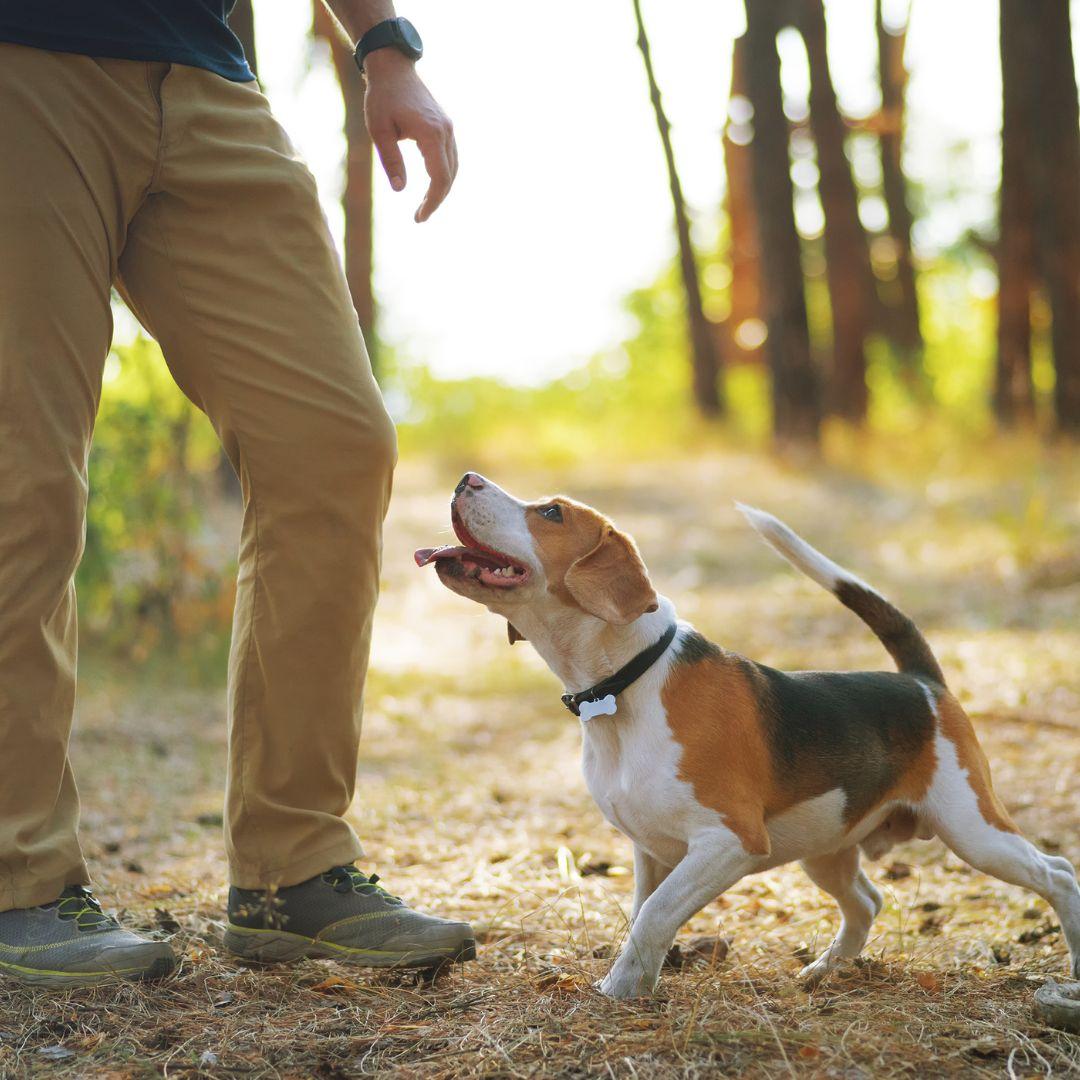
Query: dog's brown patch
column 956, row 727
column 713, row 715
column 756, row 742
column 589, row 564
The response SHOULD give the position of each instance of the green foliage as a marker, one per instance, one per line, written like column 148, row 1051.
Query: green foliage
column 151, row 575
column 635, row 399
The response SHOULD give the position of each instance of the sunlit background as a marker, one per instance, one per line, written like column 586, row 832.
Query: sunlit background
column 561, row 205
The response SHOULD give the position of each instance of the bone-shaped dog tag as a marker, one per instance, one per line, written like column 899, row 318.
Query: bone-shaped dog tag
column 604, row 707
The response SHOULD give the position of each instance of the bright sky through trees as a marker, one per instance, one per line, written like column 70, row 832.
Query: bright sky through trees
column 561, row 205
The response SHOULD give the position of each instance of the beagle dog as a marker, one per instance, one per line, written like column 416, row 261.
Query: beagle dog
column 716, row 766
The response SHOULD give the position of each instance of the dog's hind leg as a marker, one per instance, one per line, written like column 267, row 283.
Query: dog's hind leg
column 1012, row 858
column 973, row 824
column 840, row 876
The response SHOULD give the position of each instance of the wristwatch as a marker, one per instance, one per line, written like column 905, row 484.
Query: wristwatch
column 397, row 34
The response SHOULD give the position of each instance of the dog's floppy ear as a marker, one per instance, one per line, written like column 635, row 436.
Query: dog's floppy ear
column 611, row 581
column 513, row 634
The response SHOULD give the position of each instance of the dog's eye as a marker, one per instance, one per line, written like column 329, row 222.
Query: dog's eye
column 552, row 512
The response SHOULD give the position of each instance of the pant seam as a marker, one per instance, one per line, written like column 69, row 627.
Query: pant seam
column 158, row 97
column 243, row 695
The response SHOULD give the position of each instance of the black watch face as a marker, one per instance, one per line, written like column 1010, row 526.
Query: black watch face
column 410, row 38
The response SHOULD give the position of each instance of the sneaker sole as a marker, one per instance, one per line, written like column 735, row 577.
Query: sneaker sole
column 160, row 968
column 279, row 946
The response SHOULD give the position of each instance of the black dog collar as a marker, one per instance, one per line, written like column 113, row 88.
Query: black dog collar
column 617, row 683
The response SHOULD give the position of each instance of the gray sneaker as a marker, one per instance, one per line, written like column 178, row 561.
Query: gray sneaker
column 344, row 915
column 72, row 942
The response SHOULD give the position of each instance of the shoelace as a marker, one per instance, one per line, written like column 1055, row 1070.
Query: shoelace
column 78, row 903
column 350, row 879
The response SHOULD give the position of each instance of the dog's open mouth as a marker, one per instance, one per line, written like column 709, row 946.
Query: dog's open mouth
column 473, row 560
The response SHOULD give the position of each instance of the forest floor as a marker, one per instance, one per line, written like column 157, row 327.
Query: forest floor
column 471, row 804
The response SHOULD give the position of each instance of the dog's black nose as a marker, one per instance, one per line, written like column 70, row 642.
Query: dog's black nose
column 470, row 479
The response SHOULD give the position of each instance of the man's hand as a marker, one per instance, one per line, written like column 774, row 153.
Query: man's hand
column 399, row 106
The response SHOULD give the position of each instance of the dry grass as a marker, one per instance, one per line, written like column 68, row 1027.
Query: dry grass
column 471, row 803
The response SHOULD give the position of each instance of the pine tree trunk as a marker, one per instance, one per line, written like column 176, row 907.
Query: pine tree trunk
column 795, row 390
column 357, row 195
column 743, row 252
column 1013, row 391
column 847, row 253
column 242, row 24
column 1055, row 166
column 707, row 382
column 904, row 325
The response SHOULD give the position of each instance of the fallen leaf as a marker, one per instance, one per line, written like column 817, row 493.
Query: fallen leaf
column 711, row 949
column 809, row 1052
column 897, row 871
column 928, row 981
column 161, row 889
column 555, row 979
column 334, row 984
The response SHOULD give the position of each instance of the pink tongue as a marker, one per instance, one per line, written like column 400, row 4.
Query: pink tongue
column 423, row 556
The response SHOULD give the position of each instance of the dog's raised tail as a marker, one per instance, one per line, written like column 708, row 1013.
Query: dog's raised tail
column 900, row 636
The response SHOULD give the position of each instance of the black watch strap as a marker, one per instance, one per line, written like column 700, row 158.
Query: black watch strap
column 397, row 34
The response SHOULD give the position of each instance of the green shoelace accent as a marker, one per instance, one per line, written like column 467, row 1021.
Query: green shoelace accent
column 350, row 879
column 77, row 903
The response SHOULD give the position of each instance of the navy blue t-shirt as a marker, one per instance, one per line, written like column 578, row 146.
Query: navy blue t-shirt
column 194, row 32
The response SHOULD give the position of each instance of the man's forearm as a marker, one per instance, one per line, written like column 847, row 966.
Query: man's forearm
column 357, row 17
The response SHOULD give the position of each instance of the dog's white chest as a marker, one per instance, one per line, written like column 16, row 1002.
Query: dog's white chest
column 630, row 768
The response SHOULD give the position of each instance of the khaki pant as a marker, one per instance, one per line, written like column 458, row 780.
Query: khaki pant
column 179, row 188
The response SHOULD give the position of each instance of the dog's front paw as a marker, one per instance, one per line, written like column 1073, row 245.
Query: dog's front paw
column 813, row 974
column 624, row 981
column 619, row 989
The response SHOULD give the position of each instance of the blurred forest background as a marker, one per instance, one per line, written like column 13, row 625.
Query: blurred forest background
column 796, row 314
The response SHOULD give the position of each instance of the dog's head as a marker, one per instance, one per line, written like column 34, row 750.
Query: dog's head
column 555, row 558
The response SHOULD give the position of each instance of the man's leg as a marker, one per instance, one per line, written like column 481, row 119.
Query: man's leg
column 230, row 264
column 77, row 139
column 62, row 212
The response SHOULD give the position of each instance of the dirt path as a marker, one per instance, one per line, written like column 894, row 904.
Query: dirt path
column 471, row 802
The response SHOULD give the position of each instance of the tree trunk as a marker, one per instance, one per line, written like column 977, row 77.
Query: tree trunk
column 708, row 393
column 242, row 23
column 1014, row 399
column 1055, row 165
column 847, row 253
column 356, row 197
column 795, row 391
column 904, row 323
column 739, row 203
